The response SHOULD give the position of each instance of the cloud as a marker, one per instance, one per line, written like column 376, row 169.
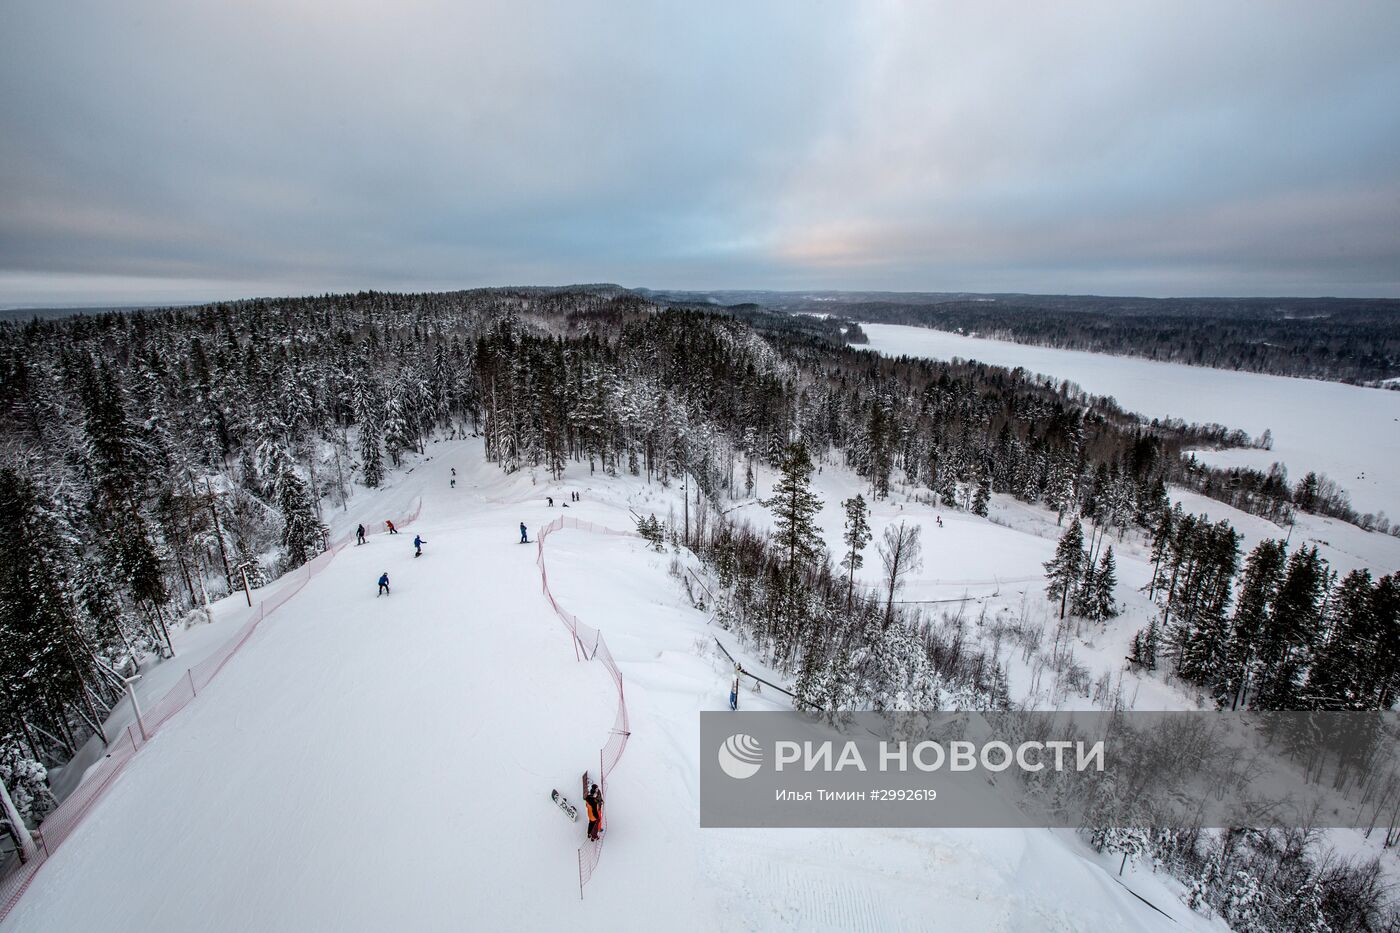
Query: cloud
column 222, row 149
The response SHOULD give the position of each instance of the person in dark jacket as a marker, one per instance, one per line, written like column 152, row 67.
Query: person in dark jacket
column 524, row 537
column 384, row 584
column 418, row 543
column 594, row 800
column 359, row 535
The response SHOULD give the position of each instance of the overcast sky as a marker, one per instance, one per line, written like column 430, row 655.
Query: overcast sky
column 182, row 150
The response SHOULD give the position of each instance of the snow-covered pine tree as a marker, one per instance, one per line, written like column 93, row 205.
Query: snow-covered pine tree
column 1286, row 642
column 1101, row 602
column 398, row 434
column 1064, row 571
column 44, row 652
column 794, row 507
column 301, row 533
column 856, row 536
column 1143, row 651
column 1263, row 571
column 983, row 497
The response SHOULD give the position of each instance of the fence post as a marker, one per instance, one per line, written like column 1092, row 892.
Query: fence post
column 580, row 874
column 140, row 722
column 190, row 674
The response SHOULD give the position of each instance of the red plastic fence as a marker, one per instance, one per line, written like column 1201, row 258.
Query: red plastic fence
column 61, row 823
column 589, row 646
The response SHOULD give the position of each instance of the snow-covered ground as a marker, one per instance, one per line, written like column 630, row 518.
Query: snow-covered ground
column 371, row 763
column 1351, row 433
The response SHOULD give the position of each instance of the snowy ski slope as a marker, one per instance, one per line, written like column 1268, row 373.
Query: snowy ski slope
column 375, row 763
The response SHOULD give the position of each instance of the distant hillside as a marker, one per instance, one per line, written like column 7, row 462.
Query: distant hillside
column 1354, row 340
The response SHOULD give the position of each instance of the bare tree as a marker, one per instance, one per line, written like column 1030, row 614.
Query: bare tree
column 902, row 554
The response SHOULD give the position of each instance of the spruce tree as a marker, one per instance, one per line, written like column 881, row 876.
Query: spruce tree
column 371, row 458
column 42, row 653
column 301, row 532
column 794, row 508
column 1286, row 641
column 1349, row 669
column 983, row 497
column 856, row 537
column 1262, row 572
column 1102, row 605
column 1064, row 571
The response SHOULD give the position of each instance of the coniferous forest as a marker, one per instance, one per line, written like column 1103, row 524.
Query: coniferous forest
column 153, row 459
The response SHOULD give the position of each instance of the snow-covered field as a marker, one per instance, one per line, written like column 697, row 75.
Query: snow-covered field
column 1350, row 433
column 376, row 763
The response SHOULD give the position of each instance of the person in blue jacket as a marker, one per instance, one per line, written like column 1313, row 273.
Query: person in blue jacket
column 418, row 543
column 384, row 583
column 524, row 538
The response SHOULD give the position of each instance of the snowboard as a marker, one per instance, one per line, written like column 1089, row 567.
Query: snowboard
column 569, row 809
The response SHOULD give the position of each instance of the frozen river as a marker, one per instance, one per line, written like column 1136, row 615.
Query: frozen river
column 1352, row 434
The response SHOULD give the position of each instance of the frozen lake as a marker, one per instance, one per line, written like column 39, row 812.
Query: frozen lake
column 1352, row 434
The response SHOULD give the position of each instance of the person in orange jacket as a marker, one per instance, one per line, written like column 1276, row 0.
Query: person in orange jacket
column 390, row 525
column 594, row 800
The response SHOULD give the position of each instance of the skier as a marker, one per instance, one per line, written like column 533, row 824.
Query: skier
column 594, row 800
column 383, row 584
column 418, row 543
column 359, row 536
column 390, row 526
column 524, row 538
column 550, row 501
column 454, row 482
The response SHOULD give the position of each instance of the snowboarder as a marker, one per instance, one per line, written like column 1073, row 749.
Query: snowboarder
column 383, row 584
column 359, row 536
column 454, row 482
column 594, row 799
column 524, row 538
column 418, row 543
column 549, row 500
column 390, row 526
